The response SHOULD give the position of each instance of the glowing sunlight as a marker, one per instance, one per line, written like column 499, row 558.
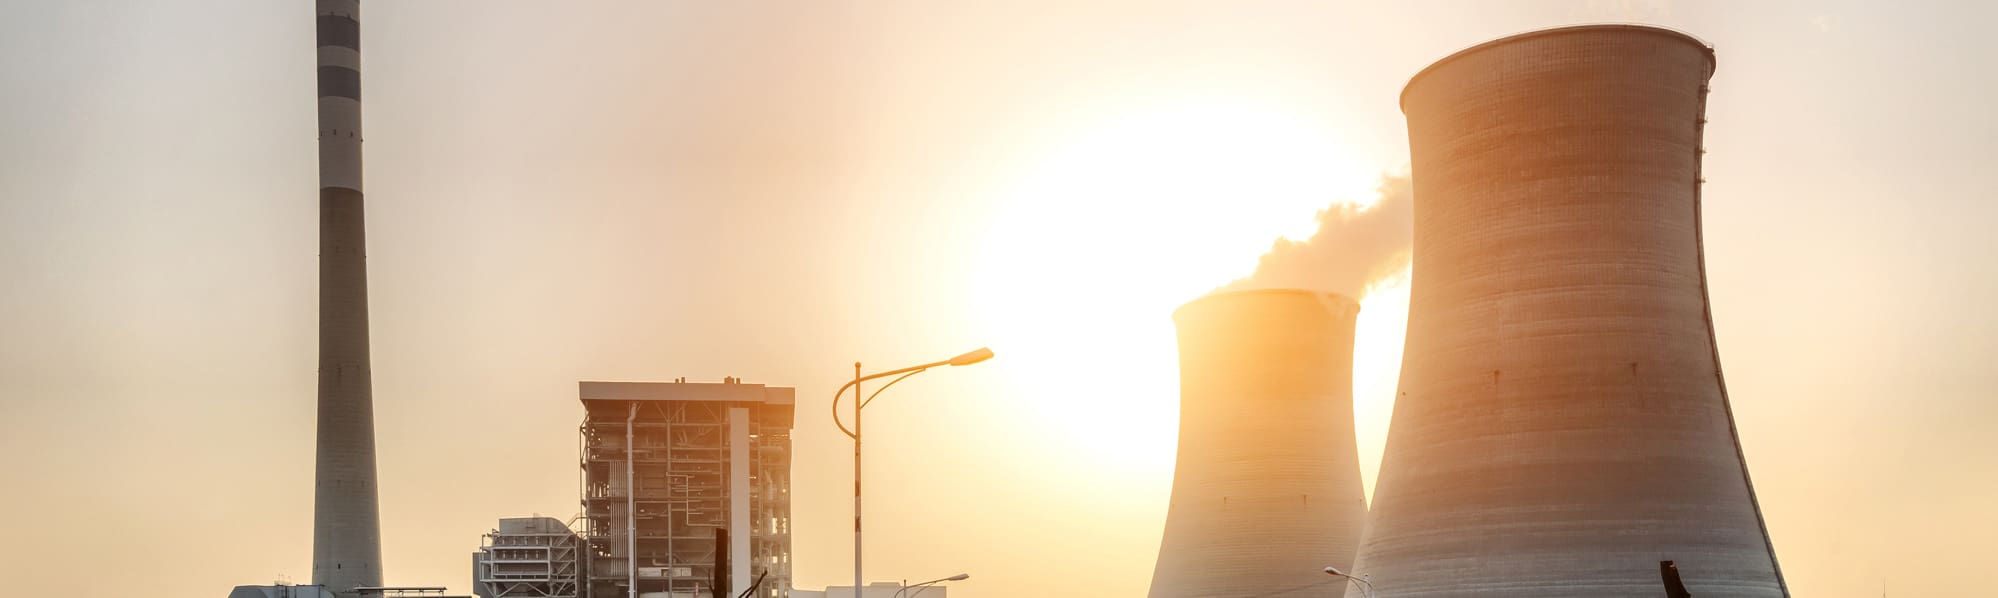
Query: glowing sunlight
column 1115, row 227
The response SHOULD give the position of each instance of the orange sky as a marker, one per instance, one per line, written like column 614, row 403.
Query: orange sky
column 644, row 191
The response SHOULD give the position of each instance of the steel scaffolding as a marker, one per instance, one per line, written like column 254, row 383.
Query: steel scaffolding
column 665, row 452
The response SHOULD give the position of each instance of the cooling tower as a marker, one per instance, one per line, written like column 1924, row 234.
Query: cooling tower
column 346, row 522
column 1562, row 425
column 1267, row 491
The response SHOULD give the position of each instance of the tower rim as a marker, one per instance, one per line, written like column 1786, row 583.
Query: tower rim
column 1712, row 64
column 1337, row 299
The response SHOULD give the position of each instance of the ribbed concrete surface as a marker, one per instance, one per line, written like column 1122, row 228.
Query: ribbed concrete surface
column 1267, row 489
column 1562, row 424
column 346, row 520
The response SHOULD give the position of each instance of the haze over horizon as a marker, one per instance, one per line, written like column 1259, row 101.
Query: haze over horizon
column 647, row 191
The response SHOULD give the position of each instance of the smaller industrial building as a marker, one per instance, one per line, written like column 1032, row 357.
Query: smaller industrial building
column 528, row 556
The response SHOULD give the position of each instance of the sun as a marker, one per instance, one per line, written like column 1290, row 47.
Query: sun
column 1111, row 228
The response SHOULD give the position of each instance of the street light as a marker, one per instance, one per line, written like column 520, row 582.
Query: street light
column 1366, row 587
column 972, row 357
column 926, row 585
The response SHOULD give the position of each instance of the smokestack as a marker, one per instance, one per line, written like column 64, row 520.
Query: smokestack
column 1266, row 492
column 1562, row 424
column 346, row 520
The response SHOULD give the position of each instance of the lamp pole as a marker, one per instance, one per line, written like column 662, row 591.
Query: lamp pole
column 1366, row 587
column 857, row 583
column 979, row 355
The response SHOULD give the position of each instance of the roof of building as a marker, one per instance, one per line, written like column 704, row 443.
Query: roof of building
column 532, row 525
column 723, row 392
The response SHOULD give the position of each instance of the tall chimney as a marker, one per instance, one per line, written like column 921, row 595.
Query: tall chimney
column 1562, row 425
column 1266, row 492
column 346, row 520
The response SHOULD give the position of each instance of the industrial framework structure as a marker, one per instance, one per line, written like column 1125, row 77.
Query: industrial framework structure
column 528, row 556
column 686, row 489
column 1266, row 490
column 1562, row 424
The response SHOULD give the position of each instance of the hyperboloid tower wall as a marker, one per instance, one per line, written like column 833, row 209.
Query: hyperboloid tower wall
column 1267, row 490
column 346, row 521
column 1562, row 425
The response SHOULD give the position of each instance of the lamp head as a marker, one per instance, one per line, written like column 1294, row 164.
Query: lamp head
column 981, row 354
column 965, row 576
column 1335, row 571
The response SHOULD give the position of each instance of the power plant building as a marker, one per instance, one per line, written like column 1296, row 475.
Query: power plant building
column 529, row 556
column 1562, row 424
column 1266, row 491
column 686, row 487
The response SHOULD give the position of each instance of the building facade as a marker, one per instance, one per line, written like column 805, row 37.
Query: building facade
column 686, row 489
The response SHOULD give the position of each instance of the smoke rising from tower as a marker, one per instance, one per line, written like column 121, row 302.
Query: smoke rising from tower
column 1353, row 248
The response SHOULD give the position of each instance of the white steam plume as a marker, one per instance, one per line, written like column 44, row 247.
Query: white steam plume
column 1353, row 248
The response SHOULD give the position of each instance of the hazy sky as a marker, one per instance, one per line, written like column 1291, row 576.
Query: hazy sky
column 562, row 191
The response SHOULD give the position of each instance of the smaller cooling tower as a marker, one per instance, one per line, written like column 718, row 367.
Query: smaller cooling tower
column 1266, row 492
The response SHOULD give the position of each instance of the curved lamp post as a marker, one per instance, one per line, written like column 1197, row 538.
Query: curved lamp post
column 979, row 355
column 1366, row 587
column 926, row 585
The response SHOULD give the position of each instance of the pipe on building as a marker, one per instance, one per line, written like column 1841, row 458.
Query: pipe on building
column 631, row 501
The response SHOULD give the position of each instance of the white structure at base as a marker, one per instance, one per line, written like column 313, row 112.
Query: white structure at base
column 280, row 591
column 878, row 589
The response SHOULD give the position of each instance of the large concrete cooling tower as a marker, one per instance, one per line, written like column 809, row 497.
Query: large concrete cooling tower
column 1562, row 425
column 346, row 522
column 1267, row 489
